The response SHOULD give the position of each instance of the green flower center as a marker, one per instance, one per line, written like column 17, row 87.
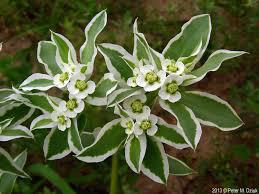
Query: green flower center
column 171, row 88
column 71, row 104
column 81, row 85
column 63, row 77
column 137, row 106
column 62, row 119
column 151, row 77
column 171, row 67
column 129, row 124
column 145, row 125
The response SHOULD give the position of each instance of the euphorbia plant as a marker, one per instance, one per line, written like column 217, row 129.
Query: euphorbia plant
column 134, row 87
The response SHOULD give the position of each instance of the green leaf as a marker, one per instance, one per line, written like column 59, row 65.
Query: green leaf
column 74, row 140
column 170, row 134
column 42, row 121
column 56, row 144
column 135, row 150
column 46, row 55
column 7, row 180
column 37, row 81
column 14, row 132
column 4, row 124
column 197, row 29
column 120, row 111
column 49, row 174
column 213, row 63
column 113, row 55
column 155, row 163
column 178, row 168
column 106, row 144
column 121, row 94
column 5, row 94
column 104, row 87
column 88, row 50
column 186, row 121
column 17, row 111
column 87, row 139
column 211, row 110
column 7, row 165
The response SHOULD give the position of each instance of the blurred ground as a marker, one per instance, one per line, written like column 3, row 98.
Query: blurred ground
column 221, row 160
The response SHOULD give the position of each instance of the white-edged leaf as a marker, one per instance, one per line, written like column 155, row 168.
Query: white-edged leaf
column 121, row 94
column 5, row 94
column 5, row 123
column 212, row 64
column 104, row 87
column 46, row 55
column 120, row 111
column 73, row 138
column 88, row 50
column 87, row 138
column 37, row 81
column 211, row 110
column 178, row 167
column 186, row 121
column 42, row 122
column 56, row 145
column 113, row 55
column 7, row 165
column 7, row 180
column 135, row 150
column 197, row 29
column 106, row 143
column 15, row 132
column 155, row 163
column 170, row 134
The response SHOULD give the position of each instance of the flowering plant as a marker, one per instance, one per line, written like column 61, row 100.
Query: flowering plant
column 134, row 87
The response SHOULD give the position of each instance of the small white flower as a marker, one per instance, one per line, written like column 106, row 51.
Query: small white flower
column 135, row 107
column 132, row 80
column 63, row 122
column 169, row 90
column 149, row 78
column 61, row 80
column 128, row 124
column 79, row 87
column 72, row 107
column 147, row 125
column 172, row 67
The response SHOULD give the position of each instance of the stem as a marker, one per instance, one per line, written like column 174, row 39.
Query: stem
column 114, row 175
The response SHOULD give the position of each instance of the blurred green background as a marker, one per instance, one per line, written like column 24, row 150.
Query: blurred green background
column 221, row 160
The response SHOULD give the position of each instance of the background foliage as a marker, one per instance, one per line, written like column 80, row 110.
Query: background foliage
column 221, row 160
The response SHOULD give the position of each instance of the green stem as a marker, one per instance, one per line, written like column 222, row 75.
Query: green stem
column 114, row 175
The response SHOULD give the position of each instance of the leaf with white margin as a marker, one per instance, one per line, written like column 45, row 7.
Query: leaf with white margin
column 42, row 122
column 120, row 111
column 7, row 180
column 17, row 111
column 64, row 47
column 74, row 140
column 213, row 63
column 211, row 110
column 178, row 168
column 5, row 94
column 46, row 55
column 135, row 150
column 155, row 163
column 37, row 81
column 55, row 144
column 106, row 143
column 170, row 134
column 131, row 61
column 7, row 165
column 87, row 138
column 103, row 88
column 157, row 57
column 186, row 121
column 113, row 55
column 197, row 29
column 5, row 123
column 121, row 94
column 88, row 50
column 15, row 132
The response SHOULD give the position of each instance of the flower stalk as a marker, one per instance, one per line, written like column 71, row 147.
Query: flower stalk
column 114, row 175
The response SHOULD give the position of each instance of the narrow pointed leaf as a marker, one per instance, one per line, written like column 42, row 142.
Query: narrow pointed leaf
column 14, row 132
column 5, row 94
column 42, row 121
column 106, row 144
column 186, row 121
column 4, row 124
column 37, row 81
column 211, row 110
column 135, row 150
column 155, row 163
column 178, row 168
column 56, row 145
column 46, row 54
column 74, row 140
